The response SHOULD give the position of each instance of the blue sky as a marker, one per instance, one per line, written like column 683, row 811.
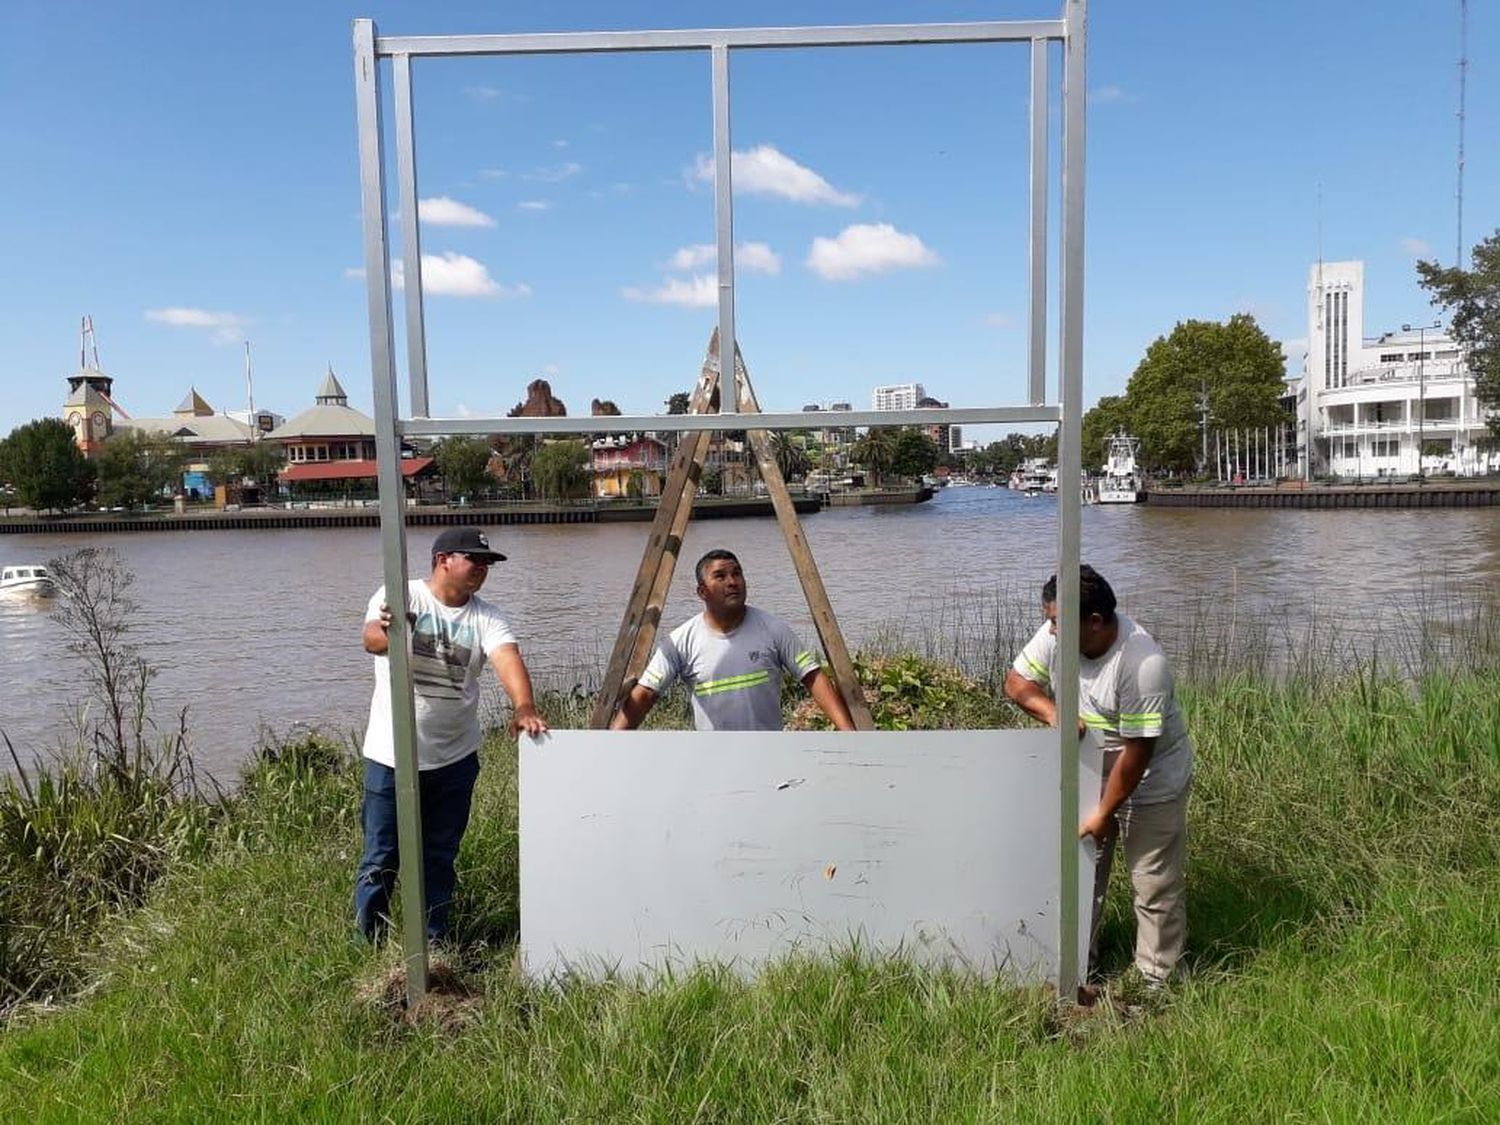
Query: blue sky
column 186, row 174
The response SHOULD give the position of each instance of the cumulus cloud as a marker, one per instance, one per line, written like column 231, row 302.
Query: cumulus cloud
column 699, row 291
column 866, row 248
column 441, row 211
column 755, row 257
column 765, row 170
column 454, row 275
column 226, row 327
column 1416, row 247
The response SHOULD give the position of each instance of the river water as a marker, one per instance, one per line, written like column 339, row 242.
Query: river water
column 252, row 628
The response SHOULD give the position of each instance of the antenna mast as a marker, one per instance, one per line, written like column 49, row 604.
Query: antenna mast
column 250, row 393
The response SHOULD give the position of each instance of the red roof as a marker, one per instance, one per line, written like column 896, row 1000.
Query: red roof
column 347, row 470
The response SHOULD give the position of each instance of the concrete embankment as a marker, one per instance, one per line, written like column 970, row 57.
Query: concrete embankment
column 267, row 519
column 1429, row 494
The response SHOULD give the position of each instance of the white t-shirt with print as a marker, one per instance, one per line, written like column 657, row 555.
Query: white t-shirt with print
column 1125, row 693
column 734, row 678
column 450, row 646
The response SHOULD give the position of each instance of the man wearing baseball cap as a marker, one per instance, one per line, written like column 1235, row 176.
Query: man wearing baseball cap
column 454, row 632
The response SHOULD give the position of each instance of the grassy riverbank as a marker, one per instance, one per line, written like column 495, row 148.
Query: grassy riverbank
column 1344, row 909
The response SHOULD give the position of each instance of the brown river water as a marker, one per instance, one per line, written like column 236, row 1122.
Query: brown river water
column 250, row 629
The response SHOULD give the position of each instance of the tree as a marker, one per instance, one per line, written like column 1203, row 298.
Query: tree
column 1109, row 414
column 44, row 466
column 876, row 451
column 560, row 470
column 790, row 452
column 137, row 467
column 1241, row 368
column 256, row 463
column 463, row 463
column 915, row 453
column 1472, row 296
column 678, row 403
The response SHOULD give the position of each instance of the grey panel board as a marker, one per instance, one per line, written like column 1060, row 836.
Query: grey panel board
column 643, row 850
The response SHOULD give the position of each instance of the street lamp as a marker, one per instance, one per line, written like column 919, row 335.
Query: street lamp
column 1421, row 392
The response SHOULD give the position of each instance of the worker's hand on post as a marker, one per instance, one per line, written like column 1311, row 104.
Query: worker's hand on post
column 525, row 718
column 385, row 618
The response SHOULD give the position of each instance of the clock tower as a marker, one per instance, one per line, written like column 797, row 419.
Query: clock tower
column 89, row 409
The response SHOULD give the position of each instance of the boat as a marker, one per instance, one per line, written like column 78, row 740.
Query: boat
column 1034, row 477
column 29, row 581
column 1121, row 482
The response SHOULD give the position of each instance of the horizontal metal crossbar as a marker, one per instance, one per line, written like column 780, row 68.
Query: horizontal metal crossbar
column 811, row 420
column 588, row 42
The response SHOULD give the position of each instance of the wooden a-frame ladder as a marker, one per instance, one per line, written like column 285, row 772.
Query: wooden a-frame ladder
column 637, row 635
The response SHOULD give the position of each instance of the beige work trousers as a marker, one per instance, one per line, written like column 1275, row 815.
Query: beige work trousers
column 1155, row 842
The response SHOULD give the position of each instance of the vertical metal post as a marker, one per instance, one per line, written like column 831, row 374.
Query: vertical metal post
column 1037, row 349
column 724, row 221
column 411, row 238
column 392, row 505
column 1069, row 471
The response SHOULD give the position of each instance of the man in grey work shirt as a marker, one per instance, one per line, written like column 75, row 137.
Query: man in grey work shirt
column 1125, row 694
column 730, row 657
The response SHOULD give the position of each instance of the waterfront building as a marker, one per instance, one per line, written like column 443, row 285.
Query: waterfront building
column 617, row 460
column 1393, row 404
column 205, row 432
column 941, row 433
column 898, row 396
column 89, row 409
column 330, row 449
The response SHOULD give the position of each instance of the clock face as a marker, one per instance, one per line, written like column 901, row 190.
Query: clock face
column 75, row 420
column 98, row 422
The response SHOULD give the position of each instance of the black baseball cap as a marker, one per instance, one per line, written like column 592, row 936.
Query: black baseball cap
column 465, row 541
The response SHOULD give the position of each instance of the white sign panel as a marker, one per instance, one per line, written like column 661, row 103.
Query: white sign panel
column 646, row 849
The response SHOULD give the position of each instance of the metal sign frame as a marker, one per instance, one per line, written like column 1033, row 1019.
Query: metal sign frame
column 370, row 48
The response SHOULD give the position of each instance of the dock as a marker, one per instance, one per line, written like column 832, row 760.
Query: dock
column 1480, row 492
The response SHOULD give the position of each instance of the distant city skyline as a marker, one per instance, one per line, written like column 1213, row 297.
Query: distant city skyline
column 190, row 180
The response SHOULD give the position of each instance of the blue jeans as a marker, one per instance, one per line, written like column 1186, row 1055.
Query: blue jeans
column 446, row 794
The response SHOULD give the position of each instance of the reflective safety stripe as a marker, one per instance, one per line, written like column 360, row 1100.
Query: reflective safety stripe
column 732, row 683
column 1036, row 669
column 1093, row 721
column 807, row 661
column 1142, row 718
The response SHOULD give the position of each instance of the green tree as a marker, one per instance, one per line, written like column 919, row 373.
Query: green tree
column 1472, row 296
column 876, row 451
column 789, row 447
column 678, row 403
column 42, row 463
column 463, row 462
column 1106, row 416
column 560, row 470
column 137, row 467
column 256, row 463
column 1241, row 368
column 915, row 453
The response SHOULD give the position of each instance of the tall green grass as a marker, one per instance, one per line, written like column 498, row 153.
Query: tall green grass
column 1343, row 913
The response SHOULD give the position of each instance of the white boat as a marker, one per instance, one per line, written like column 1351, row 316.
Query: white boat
column 1121, row 483
column 31, row 581
column 1034, row 477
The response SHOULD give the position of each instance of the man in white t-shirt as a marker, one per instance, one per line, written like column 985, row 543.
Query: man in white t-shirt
column 730, row 658
column 1126, row 695
column 454, row 633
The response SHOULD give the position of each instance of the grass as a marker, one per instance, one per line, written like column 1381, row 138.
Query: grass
column 1344, row 908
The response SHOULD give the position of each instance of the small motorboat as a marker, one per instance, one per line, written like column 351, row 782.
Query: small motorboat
column 29, row 581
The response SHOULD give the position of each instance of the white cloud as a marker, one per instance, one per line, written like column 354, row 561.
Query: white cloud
column 226, row 327
column 494, row 173
column 1416, row 247
column 533, row 205
column 866, row 248
column 552, row 369
column 999, row 320
column 755, row 257
column 1110, row 94
column 441, row 211
column 701, row 291
column 556, row 173
column 450, row 275
column 484, row 93
column 765, row 170
column 559, row 144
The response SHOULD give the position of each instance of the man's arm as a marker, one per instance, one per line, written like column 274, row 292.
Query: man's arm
column 376, row 634
column 827, row 696
column 634, row 710
column 1130, row 767
column 1030, row 697
column 516, row 680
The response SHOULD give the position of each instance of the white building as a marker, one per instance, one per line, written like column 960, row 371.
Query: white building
column 1367, row 405
column 898, row 396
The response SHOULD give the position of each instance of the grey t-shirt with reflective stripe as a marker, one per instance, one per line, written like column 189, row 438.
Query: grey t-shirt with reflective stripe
column 1125, row 693
column 734, row 678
